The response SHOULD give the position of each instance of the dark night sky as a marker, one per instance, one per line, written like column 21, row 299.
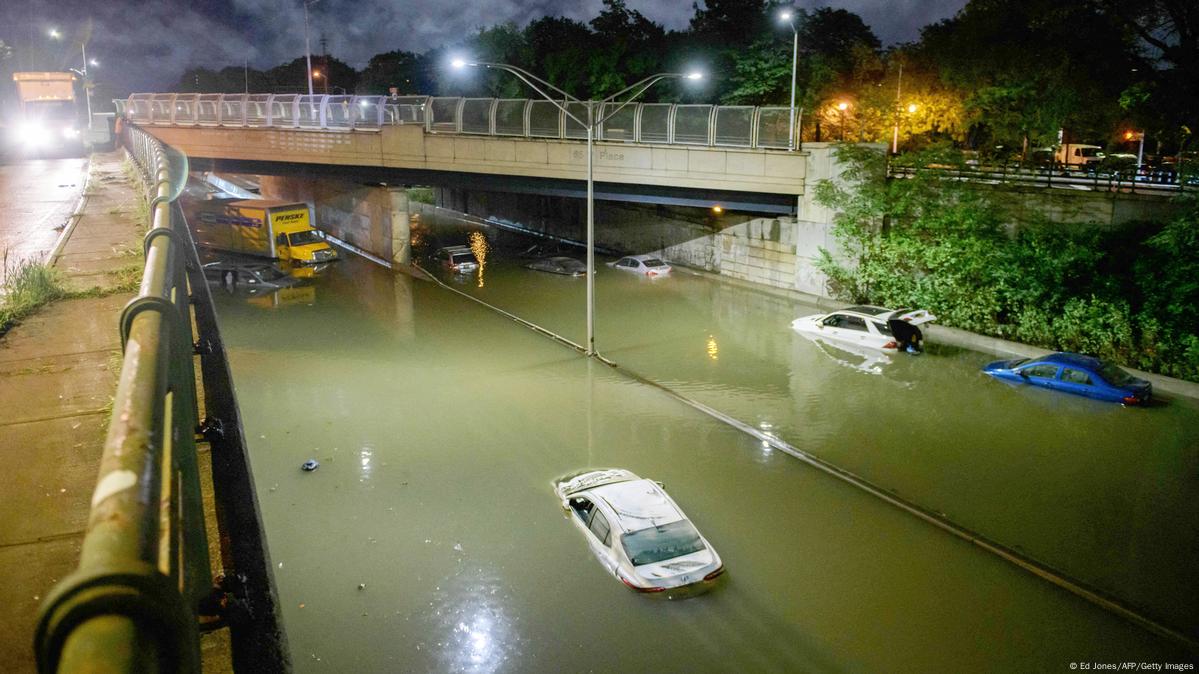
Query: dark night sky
column 145, row 45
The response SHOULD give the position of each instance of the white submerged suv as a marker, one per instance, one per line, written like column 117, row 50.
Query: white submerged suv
column 638, row 532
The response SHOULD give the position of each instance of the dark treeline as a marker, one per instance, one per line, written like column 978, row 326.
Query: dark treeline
column 1000, row 77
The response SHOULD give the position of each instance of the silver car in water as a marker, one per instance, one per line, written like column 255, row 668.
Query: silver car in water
column 637, row 531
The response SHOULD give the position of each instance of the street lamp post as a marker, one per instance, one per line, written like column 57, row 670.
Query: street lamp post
column 592, row 122
column 790, row 19
column 843, row 106
column 87, row 91
column 307, row 43
column 898, row 89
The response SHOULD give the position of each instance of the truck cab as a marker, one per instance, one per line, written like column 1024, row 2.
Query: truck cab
column 299, row 243
column 279, row 230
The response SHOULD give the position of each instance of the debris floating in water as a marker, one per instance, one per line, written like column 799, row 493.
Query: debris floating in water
column 361, row 586
column 310, row 465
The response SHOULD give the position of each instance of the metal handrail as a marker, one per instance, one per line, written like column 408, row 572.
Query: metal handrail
column 133, row 602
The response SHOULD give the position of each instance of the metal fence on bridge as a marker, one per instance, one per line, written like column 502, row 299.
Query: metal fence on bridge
column 657, row 123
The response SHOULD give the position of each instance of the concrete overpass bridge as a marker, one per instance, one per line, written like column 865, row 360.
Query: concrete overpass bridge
column 735, row 157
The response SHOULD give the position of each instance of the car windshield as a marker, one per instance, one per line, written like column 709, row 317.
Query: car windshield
column 459, row 258
column 1091, row 152
column 1114, row 375
column 654, row 262
column 304, row 238
column 655, row 544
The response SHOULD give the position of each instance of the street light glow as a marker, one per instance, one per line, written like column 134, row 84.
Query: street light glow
column 911, row 107
column 785, row 15
column 93, row 62
column 54, row 33
column 843, row 106
column 458, row 63
column 694, row 75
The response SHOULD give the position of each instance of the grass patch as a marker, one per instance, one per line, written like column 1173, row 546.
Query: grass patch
column 422, row 195
column 28, row 285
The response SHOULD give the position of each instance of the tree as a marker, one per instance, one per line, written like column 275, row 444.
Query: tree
column 400, row 69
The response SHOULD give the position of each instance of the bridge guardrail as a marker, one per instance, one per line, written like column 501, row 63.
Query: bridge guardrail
column 659, row 123
column 132, row 604
column 1146, row 180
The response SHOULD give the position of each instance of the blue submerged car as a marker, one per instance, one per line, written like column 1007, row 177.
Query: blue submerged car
column 1074, row 373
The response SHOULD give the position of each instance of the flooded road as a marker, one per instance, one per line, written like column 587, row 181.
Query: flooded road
column 430, row 538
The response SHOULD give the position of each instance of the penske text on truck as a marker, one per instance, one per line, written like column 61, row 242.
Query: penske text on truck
column 275, row 229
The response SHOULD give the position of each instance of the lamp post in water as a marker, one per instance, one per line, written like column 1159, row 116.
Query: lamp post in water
column 591, row 124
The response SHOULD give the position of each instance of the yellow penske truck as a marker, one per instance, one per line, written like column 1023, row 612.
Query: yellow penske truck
column 279, row 230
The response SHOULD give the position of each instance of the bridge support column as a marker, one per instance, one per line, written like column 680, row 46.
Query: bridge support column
column 401, row 230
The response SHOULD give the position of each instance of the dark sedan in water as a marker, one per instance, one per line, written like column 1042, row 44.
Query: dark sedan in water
column 567, row 266
column 1074, row 373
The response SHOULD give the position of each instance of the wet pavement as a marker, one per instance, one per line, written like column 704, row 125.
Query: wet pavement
column 58, row 371
column 36, row 197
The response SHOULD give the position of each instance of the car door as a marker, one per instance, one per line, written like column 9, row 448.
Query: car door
column 1041, row 374
column 600, row 530
column 1080, row 382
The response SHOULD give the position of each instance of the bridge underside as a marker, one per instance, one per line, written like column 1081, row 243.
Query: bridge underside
column 749, row 202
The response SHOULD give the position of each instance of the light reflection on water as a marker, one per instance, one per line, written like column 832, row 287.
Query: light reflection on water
column 440, row 427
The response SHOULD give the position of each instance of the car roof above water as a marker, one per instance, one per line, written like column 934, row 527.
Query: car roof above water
column 638, row 504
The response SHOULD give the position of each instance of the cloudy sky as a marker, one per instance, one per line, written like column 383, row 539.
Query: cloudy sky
column 144, row 45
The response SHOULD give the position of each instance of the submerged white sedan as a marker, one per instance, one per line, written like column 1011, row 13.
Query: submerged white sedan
column 869, row 326
column 638, row 532
column 646, row 265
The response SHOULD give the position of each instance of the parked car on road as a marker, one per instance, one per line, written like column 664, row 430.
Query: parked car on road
column 458, row 259
column 1074, row 373
column 869, row 326
column 646, row 265
column 638, row 532
column 567, row 266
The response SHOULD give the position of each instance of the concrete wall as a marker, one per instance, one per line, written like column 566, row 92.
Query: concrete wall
column 373, row 218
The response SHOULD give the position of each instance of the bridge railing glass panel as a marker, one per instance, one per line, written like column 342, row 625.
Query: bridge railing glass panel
column 406, row 109
column 185, row 108
column 573, row 128
column 734, row 126
column 339, row 112
column 161, row 107
column 368, row 112
column 139, row 107
column 309, row 112
column 545, row 120
column 692, row 124
column 443, row 115
column 282, row 111
column 256, row 110
column 621, row 126
column 510, row 117
column 208, row 109
column 476, row 115
column 773, row 125
column 655, row 123
column 233, row 110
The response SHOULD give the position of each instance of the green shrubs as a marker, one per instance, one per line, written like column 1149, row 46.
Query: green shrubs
column 942, row 244
column 27, row 285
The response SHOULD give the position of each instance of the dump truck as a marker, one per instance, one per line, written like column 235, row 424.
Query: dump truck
column 48, row 113
column 279, row 230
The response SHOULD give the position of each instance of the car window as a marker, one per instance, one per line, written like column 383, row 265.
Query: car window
column 852, row 323
column 1076, row 377
column 583, row 508
column 1114, row 375
column 1043, row 371
column 882, row 328
column 459, row 258
column 601, row 529
column 629, row 263
column 656, row 544
column 654, row 262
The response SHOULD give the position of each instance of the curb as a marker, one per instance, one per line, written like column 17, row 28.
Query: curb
column 73, row 219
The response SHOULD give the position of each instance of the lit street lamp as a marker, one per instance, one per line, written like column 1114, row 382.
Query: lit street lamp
column 307, row 43
column 87, row 89
column 843, row 106
column 592, row 122
column 789, row 17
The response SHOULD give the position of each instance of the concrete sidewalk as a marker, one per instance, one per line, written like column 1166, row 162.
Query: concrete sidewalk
column 58, row 371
